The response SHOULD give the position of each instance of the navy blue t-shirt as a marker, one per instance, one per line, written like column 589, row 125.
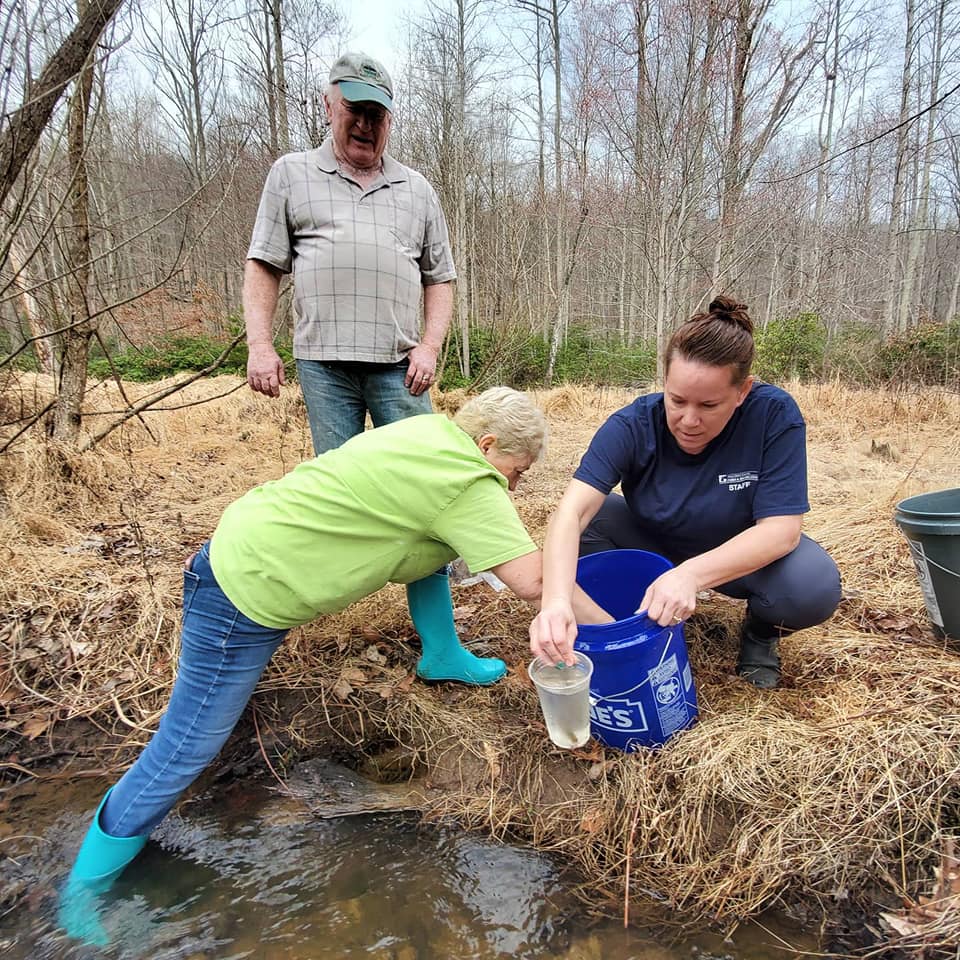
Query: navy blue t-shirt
column 755, row 468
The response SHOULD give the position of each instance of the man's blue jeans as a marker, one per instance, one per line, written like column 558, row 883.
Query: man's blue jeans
column 222, row 656
column 338, row 396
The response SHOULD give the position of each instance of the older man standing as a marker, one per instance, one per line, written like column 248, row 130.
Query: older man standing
column 363, row 235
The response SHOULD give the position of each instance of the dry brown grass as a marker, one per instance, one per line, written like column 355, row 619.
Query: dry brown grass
column 843, row 780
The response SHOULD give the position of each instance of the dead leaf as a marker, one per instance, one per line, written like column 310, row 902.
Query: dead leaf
column 406, row 683
column 592, row 820
column 925, row 916
column 597, row 770
column 899, row 925
column 80, row 648
column 33, row 728
column 8, row 691
column 373, row 654
column 465, row 611
column 385, row 690
column 353, row 675
column 106, row 612
column 341, row 689
column 592, row 751
column 369, row 633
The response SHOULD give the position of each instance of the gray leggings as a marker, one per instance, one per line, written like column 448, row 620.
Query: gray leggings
column 799, row 590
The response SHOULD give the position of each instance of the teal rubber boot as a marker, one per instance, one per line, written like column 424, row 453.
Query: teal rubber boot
column 100, row 860
column 444, row 658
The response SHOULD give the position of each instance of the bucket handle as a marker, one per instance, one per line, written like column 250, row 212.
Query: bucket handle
column 595, row 700
column 940, row 566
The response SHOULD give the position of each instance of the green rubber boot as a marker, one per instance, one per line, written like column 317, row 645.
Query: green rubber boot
column 759, row 661
column 444, row 658
column 100, row 860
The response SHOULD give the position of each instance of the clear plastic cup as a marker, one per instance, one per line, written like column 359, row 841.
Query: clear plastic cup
column 564, row 693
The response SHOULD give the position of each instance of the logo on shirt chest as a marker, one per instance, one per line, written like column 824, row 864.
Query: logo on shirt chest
column 738, row 481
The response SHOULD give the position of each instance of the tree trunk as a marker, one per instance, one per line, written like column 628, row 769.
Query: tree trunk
column 894, row 267
column 280, row 76
column 29, row 308
column 460, row 190
column 559, row 331
column 24, row 126
column 75, row 342
column 918, row 231
column 825, row 137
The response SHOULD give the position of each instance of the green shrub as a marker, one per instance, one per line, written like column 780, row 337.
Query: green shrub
column 928, row 353
column 515, row 358
column 172, row 355
column 520, row 358
column 588, row 358
column 852, row 353
column 791, row 347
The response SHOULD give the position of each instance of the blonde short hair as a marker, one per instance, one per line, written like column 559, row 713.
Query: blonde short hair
column 511, row 416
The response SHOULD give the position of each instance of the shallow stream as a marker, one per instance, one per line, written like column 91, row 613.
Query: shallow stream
column 246, row 872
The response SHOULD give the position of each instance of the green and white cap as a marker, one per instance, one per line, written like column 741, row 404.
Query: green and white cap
column 362, row 78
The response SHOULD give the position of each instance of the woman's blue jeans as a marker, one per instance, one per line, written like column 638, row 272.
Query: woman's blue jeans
column 222, row 656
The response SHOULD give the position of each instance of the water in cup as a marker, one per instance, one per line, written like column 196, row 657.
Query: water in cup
column 564, row 693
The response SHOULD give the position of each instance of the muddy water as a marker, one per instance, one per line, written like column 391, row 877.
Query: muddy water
column 243, row 872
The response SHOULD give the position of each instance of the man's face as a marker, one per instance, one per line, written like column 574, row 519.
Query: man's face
column 360, row 128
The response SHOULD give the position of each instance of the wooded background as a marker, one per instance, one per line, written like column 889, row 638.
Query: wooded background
column 605, row 164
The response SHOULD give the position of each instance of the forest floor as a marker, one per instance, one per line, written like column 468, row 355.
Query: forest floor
column 834, row 796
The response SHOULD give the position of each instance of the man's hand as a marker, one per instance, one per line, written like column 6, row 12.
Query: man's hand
column 265, row 370
column 422, row 369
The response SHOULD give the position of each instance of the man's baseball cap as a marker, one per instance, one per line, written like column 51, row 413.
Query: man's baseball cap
column 362, row 78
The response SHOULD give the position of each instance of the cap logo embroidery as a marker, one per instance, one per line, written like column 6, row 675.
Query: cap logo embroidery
column 369, row 71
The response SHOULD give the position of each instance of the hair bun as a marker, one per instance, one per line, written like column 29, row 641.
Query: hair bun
column 726, row 308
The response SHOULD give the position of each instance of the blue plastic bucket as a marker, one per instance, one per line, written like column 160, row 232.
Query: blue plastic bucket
column 641, row 691
column 931, row 524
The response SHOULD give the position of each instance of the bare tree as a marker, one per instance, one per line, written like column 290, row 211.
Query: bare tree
column 766, row 76
column 894, row 269
column 919, row 224
column 22, row 129
column 184, row 45
column 75, row 341
column 449, row 71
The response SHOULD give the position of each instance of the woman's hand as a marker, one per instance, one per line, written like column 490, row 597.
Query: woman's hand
column 671, row 598
column 553, row 632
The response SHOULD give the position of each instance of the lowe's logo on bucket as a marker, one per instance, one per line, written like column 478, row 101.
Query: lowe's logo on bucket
column 618, row 714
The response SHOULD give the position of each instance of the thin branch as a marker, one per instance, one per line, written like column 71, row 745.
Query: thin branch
column 119, row 383
column 38, row 416
column 93, row 440
column 866, row 143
